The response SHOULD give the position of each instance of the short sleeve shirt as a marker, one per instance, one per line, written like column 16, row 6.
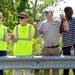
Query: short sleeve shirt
column 50, row 31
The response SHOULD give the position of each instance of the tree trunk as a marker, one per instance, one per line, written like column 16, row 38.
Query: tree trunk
column 34, row 9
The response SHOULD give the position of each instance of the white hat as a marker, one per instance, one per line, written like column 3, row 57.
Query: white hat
column 1, row 14
column 49, row 9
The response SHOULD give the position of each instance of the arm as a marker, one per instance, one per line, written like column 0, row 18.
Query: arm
column 13, row 35
column 6, row 35
column 38, row 29
column 36, row 34
column 64, row 24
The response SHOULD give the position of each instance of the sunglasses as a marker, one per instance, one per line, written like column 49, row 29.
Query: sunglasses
column 22, row 17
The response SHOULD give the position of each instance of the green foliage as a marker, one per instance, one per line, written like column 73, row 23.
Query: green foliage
column 10, row 10
column 37, row 45
column 22, row 5
column 38, row 7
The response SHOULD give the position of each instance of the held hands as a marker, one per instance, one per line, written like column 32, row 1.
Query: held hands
column 63, row 18
column 64, row 23
column 12, row 37
column 9, row 36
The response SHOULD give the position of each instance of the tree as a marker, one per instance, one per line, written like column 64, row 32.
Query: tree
column 22, row 5
column 37, row 8
column 10, row 10
column 34, row 9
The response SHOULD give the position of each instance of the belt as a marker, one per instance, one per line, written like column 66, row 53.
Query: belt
column 52, row 46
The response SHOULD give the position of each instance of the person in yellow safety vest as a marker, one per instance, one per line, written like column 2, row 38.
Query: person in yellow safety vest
column 24, row 35
column 3, row 38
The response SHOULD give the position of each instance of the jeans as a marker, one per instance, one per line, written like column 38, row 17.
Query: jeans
column 67, row 51
column 36, row 72
column 2, row 53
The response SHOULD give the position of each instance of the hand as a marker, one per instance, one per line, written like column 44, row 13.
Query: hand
column 35, row 24
column 63, row 17
column 12, row 37
column 6, row 37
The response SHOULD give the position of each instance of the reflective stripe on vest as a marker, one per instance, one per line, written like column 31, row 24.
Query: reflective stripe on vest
column 1, row 39
column 29, row 35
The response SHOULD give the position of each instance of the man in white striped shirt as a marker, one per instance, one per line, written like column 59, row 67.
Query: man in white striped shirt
column 69, row 36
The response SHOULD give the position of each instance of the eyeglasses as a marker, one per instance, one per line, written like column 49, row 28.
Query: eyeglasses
column 22, row 17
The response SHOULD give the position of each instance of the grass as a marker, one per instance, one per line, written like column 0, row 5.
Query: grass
column 9, row 72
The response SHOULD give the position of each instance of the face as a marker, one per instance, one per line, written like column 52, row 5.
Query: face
column 23, row 20
column 68, row 13
column 49, row 15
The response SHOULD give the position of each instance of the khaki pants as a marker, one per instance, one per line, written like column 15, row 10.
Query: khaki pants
column 51, row 52
column 18, row 72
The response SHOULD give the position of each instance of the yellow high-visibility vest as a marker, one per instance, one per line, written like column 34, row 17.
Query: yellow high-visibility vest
column 24, row 36
column 3, row 44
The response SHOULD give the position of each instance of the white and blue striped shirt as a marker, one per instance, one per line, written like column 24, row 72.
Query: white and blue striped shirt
column 68, row 38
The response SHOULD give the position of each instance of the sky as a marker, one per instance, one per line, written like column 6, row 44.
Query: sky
column 62, row 4
column 65, row 3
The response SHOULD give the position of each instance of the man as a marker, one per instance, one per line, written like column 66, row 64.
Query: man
column 3, row 38
column 50, row 29
column 24, row 33
column 68, row 37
